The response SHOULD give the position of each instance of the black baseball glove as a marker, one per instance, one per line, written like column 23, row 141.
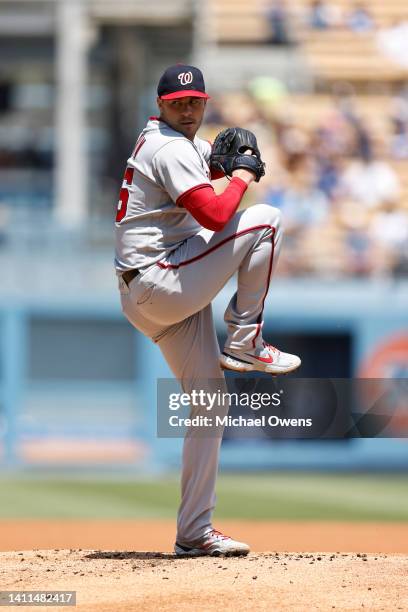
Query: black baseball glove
column 228, row 152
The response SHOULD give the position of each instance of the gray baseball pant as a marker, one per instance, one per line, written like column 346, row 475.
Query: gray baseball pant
column 170, row 303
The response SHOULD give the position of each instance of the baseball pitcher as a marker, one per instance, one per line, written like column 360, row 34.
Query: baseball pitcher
column 177, row 244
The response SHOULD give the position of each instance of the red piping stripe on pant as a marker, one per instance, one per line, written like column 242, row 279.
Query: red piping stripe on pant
column 241, row 233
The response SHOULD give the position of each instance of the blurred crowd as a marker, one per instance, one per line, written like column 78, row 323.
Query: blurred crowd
column 323, row 15
column 341, row 184
column 337, row 183
column 289, row 21
column 284, row 18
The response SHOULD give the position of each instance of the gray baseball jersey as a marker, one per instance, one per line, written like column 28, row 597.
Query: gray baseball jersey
column 163, row 166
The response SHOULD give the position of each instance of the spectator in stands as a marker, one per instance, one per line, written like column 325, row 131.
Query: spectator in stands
column 399, row 140
column 360, row 19
column 353, row 220
column 327, row 148
column 322, row 15
column 278, row 19
column 389, row 228
column 399, row 120
column 361, row 260
column 328, row 175
column 370, row 181
column 351, row 130
column 302, row 204
column 363, row 145
column 393, row 43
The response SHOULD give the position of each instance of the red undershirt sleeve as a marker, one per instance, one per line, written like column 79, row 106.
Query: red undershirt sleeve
column 216, row 174
column 210, row 210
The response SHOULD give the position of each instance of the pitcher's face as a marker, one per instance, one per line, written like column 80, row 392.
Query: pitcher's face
column 184, row 115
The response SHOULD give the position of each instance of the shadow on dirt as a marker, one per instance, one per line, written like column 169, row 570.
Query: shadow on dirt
column 125, row 555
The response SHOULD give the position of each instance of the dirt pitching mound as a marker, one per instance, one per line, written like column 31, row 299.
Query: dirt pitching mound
column 136, row 534
column 124, row 581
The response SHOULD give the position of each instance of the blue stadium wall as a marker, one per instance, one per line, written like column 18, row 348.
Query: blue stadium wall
column 78, row 385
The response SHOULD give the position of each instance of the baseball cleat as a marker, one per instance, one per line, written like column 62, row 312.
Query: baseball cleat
column 214, row 544
column 266, row 359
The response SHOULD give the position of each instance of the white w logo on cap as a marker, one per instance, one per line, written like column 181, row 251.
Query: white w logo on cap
column 185, row 78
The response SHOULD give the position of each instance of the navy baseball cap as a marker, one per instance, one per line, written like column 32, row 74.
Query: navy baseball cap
column 180, row 81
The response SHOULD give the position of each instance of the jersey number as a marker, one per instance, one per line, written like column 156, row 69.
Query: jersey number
column 124, row 194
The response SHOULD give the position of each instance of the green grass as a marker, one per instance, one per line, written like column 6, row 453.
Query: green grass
column 290, row 496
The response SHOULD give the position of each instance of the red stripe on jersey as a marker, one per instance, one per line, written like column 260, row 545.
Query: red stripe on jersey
column 139, row 144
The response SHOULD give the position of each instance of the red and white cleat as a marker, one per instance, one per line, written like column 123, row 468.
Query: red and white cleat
column 266, row 359
column 214, row 544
